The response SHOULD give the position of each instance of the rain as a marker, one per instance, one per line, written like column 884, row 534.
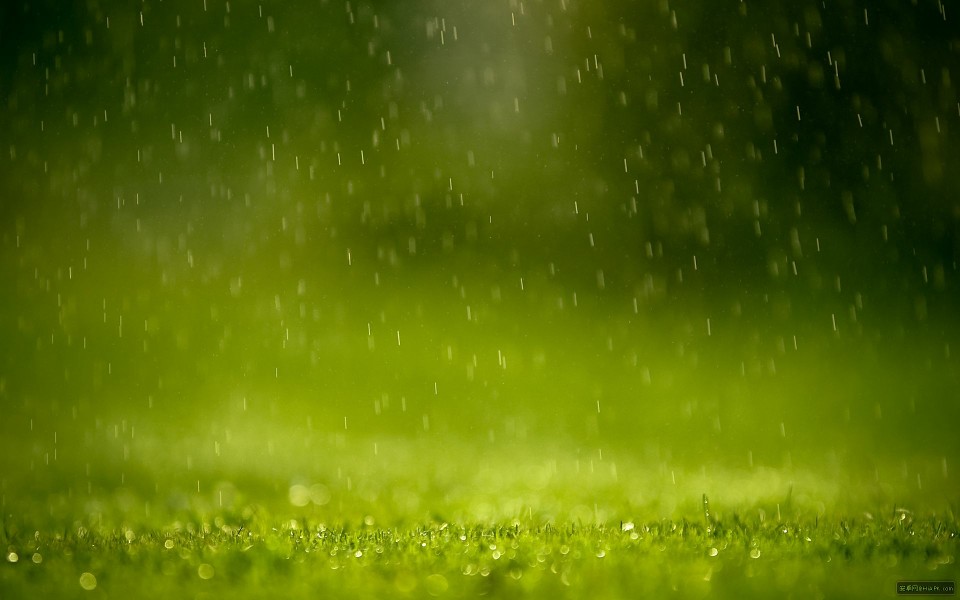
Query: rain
column 550, row 260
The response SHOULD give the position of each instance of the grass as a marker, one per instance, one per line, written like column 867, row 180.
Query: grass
column 416, row 522
column 252, row 554
column 831, row 475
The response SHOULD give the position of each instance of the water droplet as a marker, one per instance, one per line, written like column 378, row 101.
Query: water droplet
column 299, row 495
column 205, row 571
column 319, row 494
column 88, row 581
column 436, row 584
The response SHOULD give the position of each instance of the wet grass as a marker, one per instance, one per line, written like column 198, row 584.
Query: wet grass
column 438, row 519
column 250, row 553
column 242, row 495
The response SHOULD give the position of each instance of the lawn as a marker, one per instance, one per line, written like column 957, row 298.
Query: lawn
column 422, row 520
column 242, row 555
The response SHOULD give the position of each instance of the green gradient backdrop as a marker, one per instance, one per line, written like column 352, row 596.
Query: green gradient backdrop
column 245, row 246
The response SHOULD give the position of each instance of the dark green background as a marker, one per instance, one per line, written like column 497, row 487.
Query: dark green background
column 716, row 239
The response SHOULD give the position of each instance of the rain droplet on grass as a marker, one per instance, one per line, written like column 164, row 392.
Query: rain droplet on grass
column 205, row 571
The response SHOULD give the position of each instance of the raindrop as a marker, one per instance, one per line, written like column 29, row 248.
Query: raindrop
column 436, row 584
column 87, row 580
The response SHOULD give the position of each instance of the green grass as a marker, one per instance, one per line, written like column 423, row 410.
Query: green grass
column 249, row 553
column 431, row 469
column 438, row 517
